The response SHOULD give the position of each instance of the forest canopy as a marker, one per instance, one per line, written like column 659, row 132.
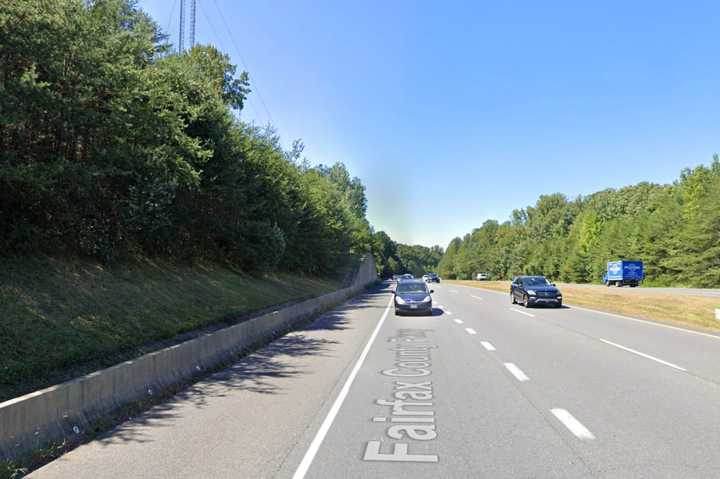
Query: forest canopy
column 674, row 229
column 112, row 145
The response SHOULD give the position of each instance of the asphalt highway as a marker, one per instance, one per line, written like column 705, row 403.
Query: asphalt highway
column 480, row 389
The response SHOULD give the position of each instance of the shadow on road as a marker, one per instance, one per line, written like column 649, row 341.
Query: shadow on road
column 549, row 307
column 255, row 373
column 337, row 319
column 435, row 312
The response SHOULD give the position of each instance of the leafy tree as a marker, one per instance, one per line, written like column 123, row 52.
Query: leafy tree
column 112, row 146
column 446, row 266
column 674, row 229
column 397, row 258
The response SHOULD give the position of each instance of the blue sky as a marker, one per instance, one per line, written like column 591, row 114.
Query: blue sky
column 456, row 112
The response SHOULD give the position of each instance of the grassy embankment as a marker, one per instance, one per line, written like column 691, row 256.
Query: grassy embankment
column 60, row 318
column 697, row 312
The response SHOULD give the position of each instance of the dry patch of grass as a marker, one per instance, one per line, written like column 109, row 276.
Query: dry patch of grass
column 697, row 312
column 492, row 285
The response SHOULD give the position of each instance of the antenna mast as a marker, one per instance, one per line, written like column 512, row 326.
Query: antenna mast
column 181, row 35
column 193, row 8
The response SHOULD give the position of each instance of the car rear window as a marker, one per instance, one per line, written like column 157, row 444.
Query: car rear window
column 412, row 288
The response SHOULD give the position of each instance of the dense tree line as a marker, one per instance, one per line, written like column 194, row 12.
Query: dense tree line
column 112, row 145
column 674, row 229
column 397, row 258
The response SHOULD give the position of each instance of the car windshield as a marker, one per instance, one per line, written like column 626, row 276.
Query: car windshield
column 412, row 288
column 535, row 281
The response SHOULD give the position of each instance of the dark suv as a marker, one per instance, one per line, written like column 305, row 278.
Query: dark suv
column 534, row 290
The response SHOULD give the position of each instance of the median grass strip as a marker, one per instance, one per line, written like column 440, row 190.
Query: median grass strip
column 697, row 312
column 63, row 318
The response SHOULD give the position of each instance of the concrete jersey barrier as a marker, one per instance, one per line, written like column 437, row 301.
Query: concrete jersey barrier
column 31, row 421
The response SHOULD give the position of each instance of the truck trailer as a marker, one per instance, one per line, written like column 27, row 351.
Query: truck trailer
column 621, row 273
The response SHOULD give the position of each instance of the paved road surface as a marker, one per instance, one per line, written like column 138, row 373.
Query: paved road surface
column 480, row 389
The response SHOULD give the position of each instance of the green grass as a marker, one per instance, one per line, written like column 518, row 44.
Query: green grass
column 61, row 318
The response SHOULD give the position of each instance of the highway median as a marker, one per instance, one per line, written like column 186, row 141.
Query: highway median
column 692, row 311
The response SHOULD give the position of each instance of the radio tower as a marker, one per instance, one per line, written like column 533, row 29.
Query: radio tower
column 193, row 7
column 181, row 35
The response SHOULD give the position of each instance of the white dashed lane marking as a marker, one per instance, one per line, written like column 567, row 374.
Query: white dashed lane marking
column 517, row 372
column 573, row 424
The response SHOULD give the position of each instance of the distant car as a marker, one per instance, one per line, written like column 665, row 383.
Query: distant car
column 481, row 277
column 426, row 278
column 396, row 277
column 534, row 291
column 433, row 278
column 412, row 296
column 406, row 276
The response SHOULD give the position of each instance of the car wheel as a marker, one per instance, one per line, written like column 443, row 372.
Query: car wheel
column 512, row 298
column 397, row 312
column 559, row 304
column 526, row 301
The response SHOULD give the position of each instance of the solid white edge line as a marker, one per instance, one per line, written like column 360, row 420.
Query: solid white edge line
column 522, row 312
column 487, row 345
column 645, row 321
column 470, row 331
column 307, row 460
column 459, row 321
column 575, row 426
column 647, row 356
column 620, row 316
column 517, row 372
